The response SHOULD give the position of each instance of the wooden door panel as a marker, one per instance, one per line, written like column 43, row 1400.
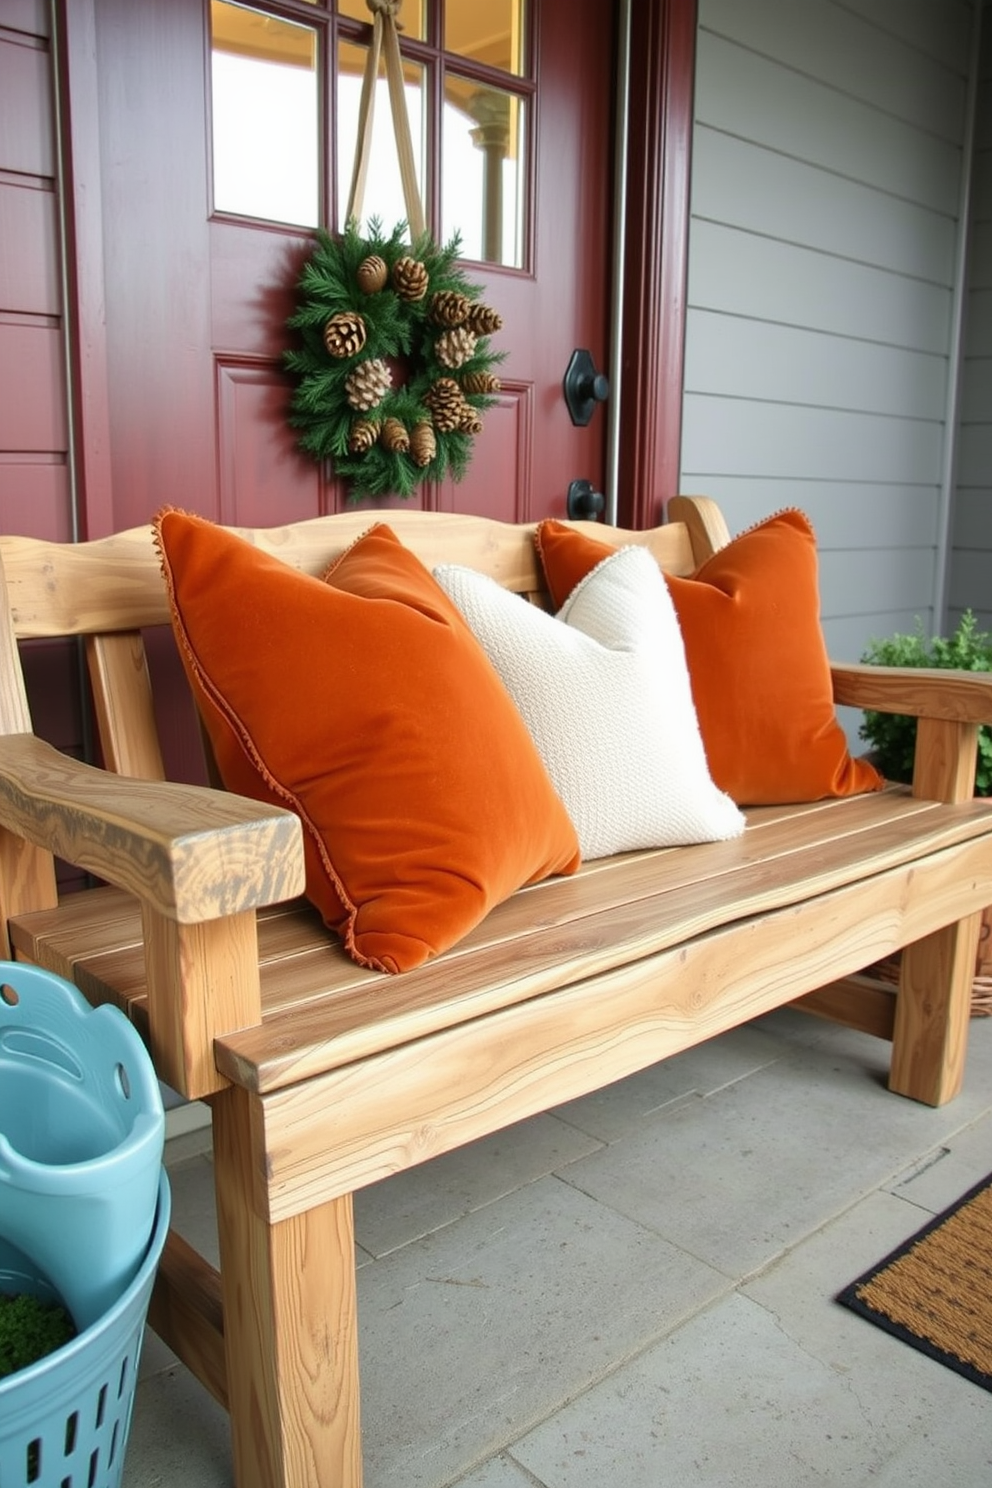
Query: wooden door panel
column 29, row 280
column 26, row 115
column 197, row 306
column 32, row 386
column 34, row 497
column 498, row 481
column 264, row 479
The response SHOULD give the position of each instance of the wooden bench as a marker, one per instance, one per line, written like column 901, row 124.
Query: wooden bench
column 322, row 1076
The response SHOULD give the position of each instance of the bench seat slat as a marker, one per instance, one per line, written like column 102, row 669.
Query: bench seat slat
column 351, row 1126
column 320, row 1010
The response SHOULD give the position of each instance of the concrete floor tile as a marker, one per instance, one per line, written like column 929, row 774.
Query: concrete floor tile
column 730, row 1399
column 179, row 1436
column 946, row 1173
column 413, row 1203
column 921, row 1407
column 741, row 1176
column 475, row 1333
column 194, row 1206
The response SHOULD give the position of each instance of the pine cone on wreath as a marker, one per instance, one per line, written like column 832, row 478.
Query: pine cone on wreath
column 367, row 384
column 362, row 436
column 410, row 278
column 423, row 445
column 449, row 308
column 372, row 274
column 483, row 320
column 455, row 347
column 344, row 333
column 445, row 401
column 481, row 382
column 394, row 437
column 469, row 421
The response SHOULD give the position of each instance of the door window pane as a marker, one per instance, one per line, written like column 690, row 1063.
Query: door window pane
column 265, row 123
column 383, row 185
column 484, row 152
column 490, row 32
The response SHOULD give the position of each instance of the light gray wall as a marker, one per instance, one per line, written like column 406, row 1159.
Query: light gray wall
column 827, row 168
column 970, row 571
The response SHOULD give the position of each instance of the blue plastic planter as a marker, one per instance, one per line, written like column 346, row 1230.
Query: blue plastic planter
column 81, row 1137
column 64, row 1422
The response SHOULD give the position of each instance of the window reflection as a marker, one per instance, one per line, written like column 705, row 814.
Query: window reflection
column 383, row 184
column 265, row 121
column 482, row 191
column 491, row 32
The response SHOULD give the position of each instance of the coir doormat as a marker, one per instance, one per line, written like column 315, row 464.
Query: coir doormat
column 935, row 1291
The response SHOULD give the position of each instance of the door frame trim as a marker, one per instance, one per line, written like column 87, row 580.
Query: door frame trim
column 656, row 259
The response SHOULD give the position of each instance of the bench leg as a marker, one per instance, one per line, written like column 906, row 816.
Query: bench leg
column 930, row 1038
column 290, row 1326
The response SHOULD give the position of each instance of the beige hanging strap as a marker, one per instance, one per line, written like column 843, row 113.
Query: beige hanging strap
column 385, row 38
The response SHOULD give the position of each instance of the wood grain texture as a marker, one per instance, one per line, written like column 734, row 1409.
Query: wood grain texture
column 290, row 1323
column 27, row 883
column 357, row 1124
column 858, row 1002
column 115, row 583
column 704, row 521
column 930, row 1037
column 15, row 716
column 191, row 853
column 187, row 1314
column 922, row 692
column 579, row 928
column 122, row 700
column 202, row 981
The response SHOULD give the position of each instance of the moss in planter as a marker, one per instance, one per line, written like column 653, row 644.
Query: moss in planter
column 30, row 1329
column 893, row 736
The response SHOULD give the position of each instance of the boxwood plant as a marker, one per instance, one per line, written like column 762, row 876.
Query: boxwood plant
column 893, row 736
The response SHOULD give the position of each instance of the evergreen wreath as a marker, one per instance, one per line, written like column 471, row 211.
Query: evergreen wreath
column 394, row 365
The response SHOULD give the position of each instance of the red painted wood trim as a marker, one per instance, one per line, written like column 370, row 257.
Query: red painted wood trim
column 663, row 53
column 89, row 391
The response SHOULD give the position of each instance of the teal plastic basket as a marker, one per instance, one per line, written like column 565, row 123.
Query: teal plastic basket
column 64, row 1422
column 82, row 1132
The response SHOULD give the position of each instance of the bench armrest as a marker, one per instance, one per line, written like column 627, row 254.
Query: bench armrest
column 190, row 853
column 919, row 692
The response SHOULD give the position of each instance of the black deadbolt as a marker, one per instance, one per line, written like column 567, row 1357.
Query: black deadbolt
column 583, row 502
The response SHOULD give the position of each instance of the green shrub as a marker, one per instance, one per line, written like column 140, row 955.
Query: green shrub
column 893, row 736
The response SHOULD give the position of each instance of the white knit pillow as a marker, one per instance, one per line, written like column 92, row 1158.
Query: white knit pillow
column 604, row 689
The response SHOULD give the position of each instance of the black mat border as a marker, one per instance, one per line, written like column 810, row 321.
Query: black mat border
column 849, row 1298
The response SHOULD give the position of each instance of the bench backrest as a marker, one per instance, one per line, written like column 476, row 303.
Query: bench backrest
column 106, row 591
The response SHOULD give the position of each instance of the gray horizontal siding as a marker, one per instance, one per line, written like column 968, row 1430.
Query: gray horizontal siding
column 748, row 96
column 750, row 274
column 749, row 186
column 901, row 56
column 793, row 364
column 827, row 158
column 970, row 568
column 883, row 516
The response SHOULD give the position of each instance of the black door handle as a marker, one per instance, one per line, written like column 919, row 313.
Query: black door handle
column 584, row 387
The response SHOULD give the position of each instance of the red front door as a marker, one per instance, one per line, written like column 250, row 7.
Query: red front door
column 196, row 297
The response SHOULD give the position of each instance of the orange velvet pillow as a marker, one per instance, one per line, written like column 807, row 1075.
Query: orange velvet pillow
column 364, row 703
column 760, row 675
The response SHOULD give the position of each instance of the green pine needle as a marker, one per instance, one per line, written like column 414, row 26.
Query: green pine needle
column 399, row 332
